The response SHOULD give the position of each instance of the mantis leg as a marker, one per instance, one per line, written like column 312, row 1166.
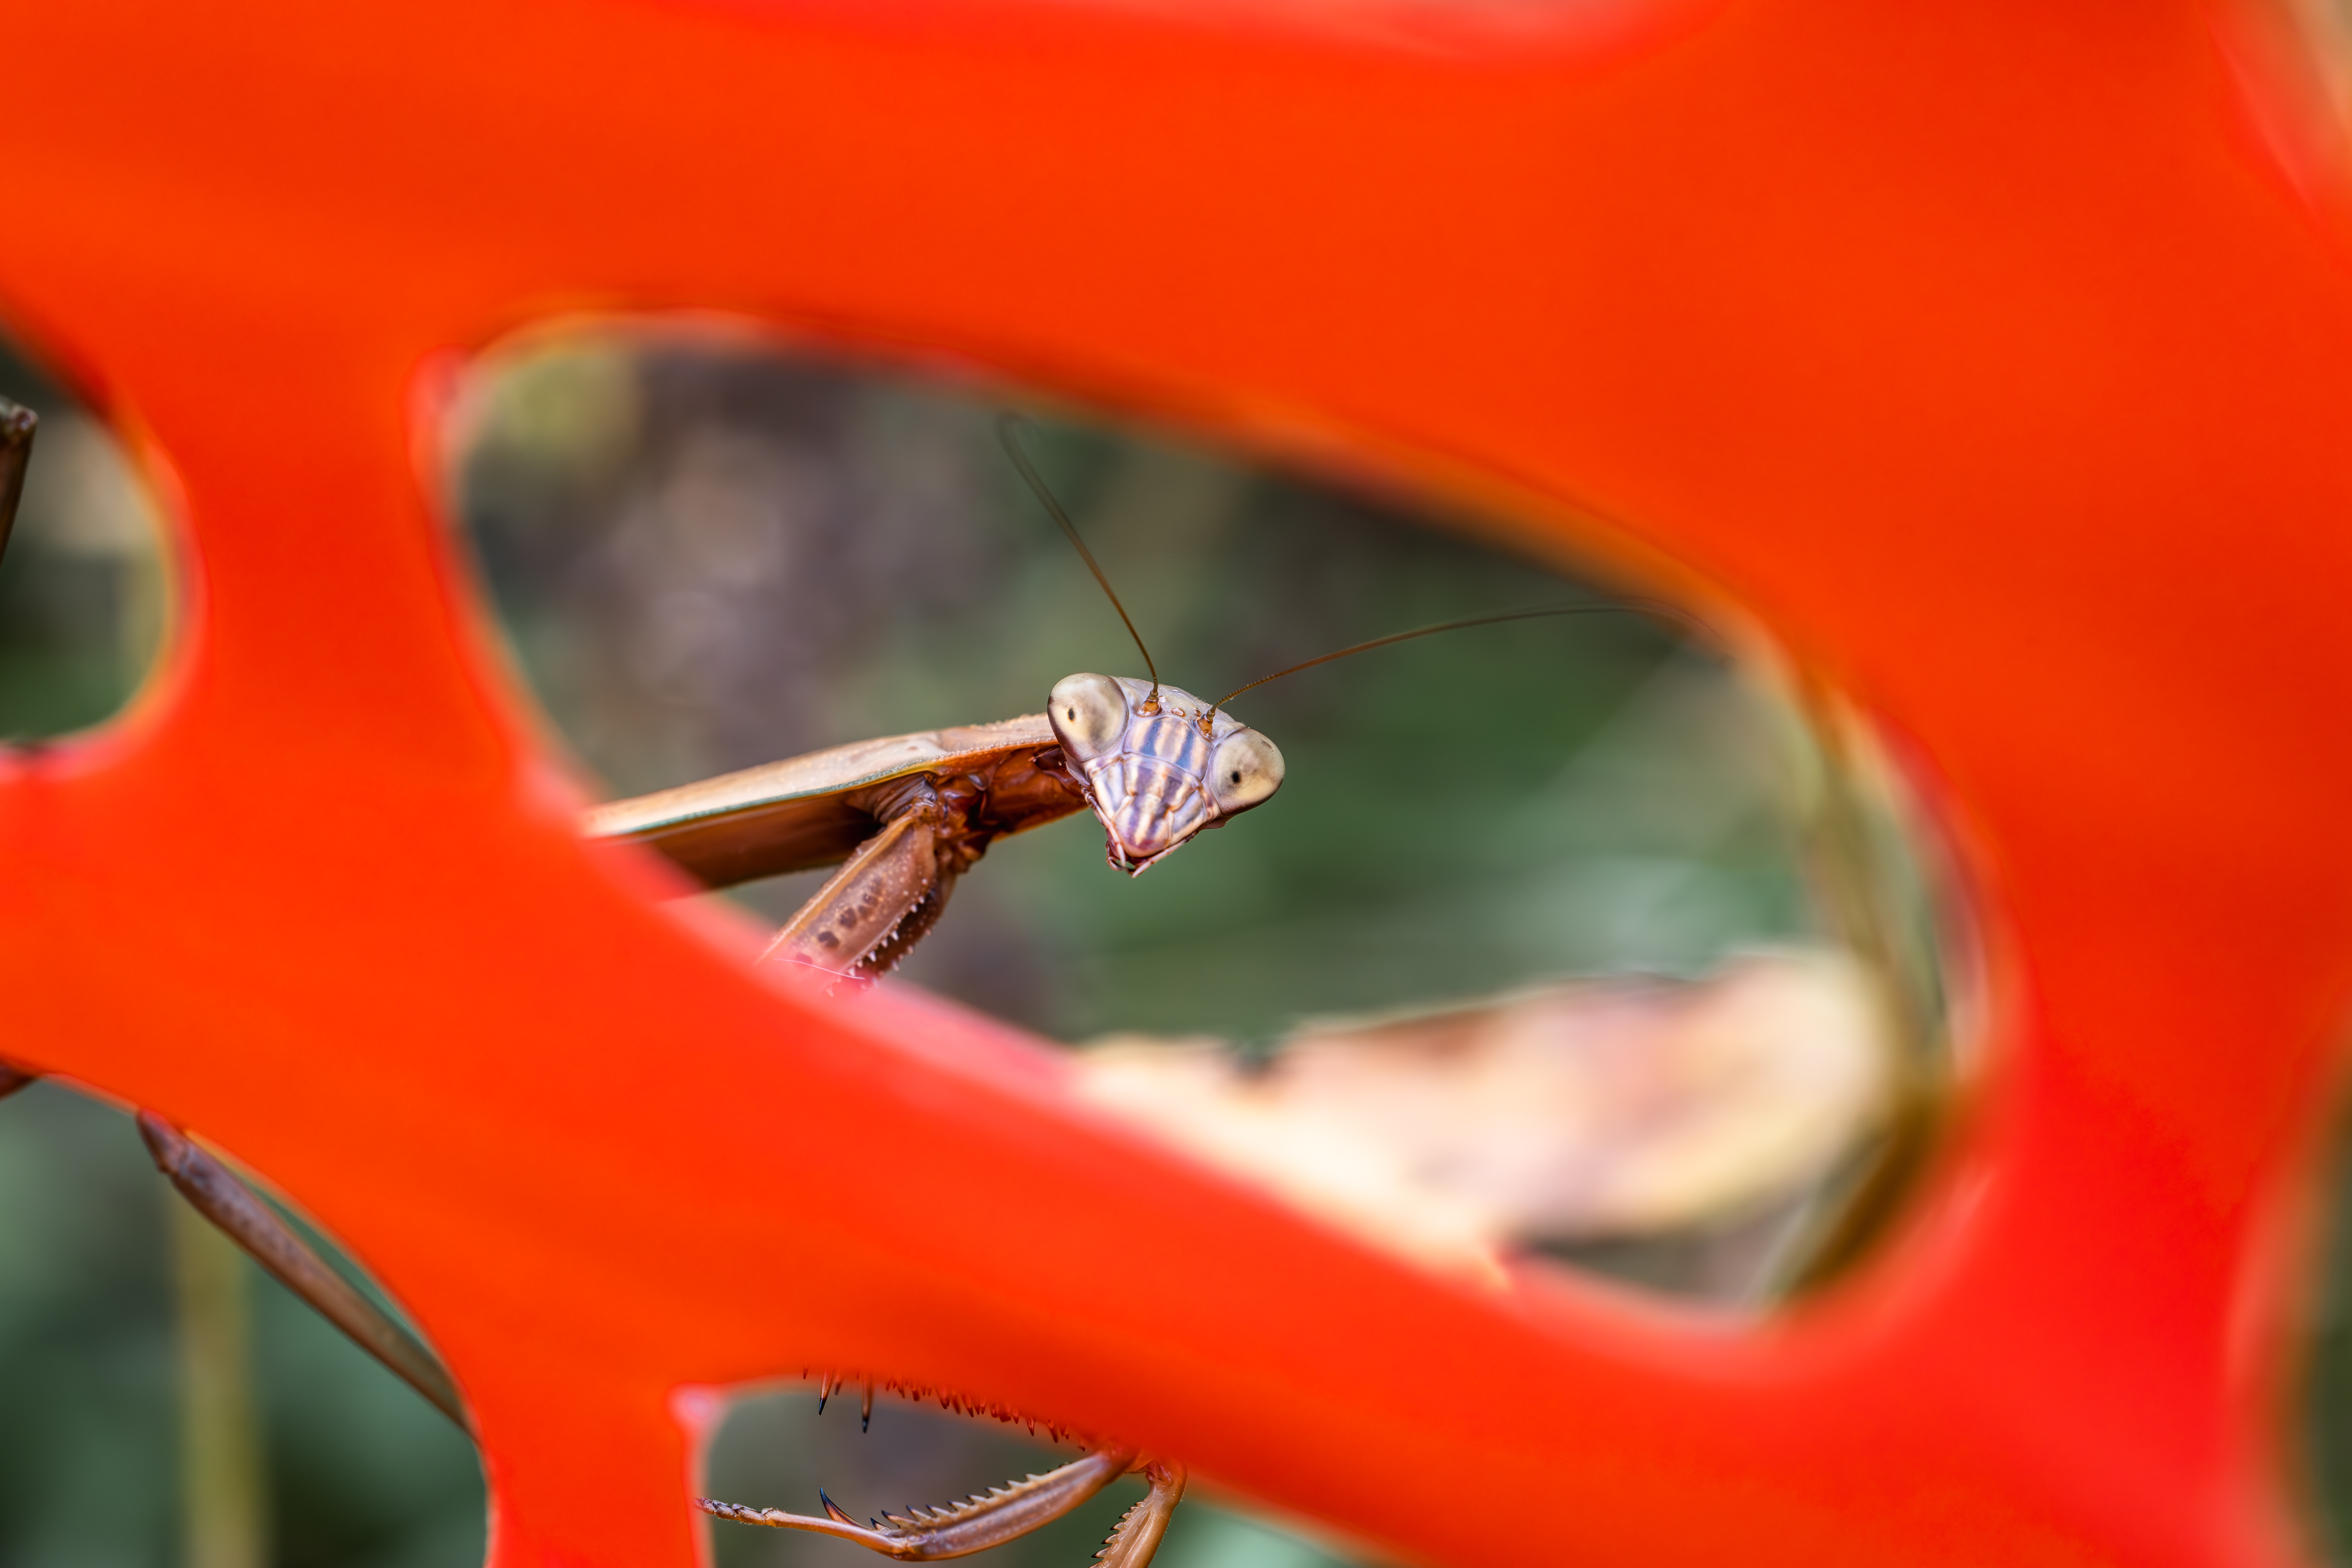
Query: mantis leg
column 877, row 905
column 215, row 1192
column 1133, row 1543
column 956, row 1530
column 1005, row 1513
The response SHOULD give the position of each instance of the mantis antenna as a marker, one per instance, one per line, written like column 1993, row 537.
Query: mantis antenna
column 1008, row 427
column 1650, row 607
column 1008, row 430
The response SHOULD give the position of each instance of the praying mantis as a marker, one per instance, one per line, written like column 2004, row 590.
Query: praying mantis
column 902, row 818
column 905, row 817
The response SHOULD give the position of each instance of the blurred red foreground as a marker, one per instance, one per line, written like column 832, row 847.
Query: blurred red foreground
column 1993, row 355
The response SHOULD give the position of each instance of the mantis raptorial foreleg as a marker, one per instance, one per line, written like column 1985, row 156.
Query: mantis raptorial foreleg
column 1002, row 1514
column 901, row 818
column 890, row 892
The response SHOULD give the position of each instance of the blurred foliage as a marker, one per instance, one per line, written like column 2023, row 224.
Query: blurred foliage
column 2325, row 1418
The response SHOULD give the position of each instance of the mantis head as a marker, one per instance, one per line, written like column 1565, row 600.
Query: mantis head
column 1158, row 765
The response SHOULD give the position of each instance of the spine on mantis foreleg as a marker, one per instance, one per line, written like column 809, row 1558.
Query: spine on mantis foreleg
column 856, row 918
column 1136, row 1537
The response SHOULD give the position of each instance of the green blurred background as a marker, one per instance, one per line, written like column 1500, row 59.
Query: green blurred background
column 703, row 557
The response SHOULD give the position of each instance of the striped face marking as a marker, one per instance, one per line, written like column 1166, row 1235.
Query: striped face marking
column 1156, row 778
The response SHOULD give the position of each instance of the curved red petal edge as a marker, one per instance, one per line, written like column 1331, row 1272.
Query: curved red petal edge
column 1966, row 346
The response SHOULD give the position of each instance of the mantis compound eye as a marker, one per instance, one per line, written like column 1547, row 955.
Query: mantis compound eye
column 1246, row 771
column 1088, row 714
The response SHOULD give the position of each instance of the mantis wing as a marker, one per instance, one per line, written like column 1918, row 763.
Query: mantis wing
column 812, row 811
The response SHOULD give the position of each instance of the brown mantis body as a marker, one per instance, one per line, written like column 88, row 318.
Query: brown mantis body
column 906, row 816
column 902, row 818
